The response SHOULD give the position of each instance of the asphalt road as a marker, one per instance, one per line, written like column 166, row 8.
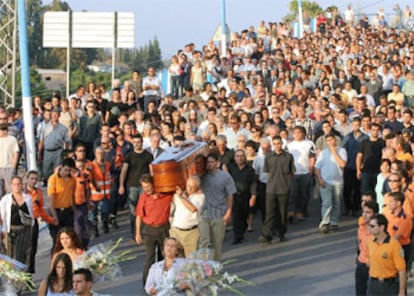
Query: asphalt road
column 309, row 263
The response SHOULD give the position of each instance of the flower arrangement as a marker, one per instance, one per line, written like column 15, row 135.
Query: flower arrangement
column 202, row 276
column 102, row 261
column 13, row 275
column 206, row 277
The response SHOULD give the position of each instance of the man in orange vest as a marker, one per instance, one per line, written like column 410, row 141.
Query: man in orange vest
column 82, row 202
column 100, row 193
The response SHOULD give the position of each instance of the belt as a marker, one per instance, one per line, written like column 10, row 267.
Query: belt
column 52, row 150
column 64, row 209
column 383, row 280
column 17, row 227
column 156, row 226
column 186, row 229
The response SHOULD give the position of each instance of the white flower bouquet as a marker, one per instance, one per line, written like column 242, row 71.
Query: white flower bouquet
column 103, row 262
column 13, row 276
column 201, row 276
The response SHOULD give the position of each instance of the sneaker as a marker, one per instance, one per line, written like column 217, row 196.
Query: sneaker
column 114, row 224
column 265, row 240
column 324, row 228
column 282, row 238
column 334, row 227
column 105, row 227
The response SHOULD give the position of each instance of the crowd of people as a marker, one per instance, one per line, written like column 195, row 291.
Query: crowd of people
column 329, row 115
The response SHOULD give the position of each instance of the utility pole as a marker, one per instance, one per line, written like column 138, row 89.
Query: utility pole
column 8, row 48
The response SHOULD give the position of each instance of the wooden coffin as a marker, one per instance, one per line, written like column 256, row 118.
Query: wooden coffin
column 175, row 164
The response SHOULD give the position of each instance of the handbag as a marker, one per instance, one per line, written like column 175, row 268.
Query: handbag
column 25, row 218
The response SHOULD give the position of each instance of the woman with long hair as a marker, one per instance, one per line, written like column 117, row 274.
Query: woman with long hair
column 67, row 242
column 16, row 220
column 59, row 279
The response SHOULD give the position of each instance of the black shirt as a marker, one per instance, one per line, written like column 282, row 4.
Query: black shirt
column 280, row 167
column 138, row 164
column 15, row 217
column 115, row 109
column 245, row 179
column 371, row 155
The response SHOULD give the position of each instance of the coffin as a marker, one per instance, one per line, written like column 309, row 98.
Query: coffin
column 175, row 164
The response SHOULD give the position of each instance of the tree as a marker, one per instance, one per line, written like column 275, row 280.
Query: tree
column 34, row 11
column 309, row 10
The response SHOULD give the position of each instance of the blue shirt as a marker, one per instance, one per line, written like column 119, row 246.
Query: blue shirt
column 351, row 146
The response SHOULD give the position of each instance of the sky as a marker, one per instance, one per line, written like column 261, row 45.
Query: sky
column 176, row 23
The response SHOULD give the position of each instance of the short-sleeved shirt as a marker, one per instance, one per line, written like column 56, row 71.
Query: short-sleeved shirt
column 331, row 172
column 371, row 155
column 154, row 211
column 54, row 136
column 9, row 147
column 280, row 168
column 217, row 187
column 400, row 224
column 386, row 259
column 302, row 152
column 244, row 179
column 151, row 81
column 138, row 164
column 62, row 191
column 363, row 237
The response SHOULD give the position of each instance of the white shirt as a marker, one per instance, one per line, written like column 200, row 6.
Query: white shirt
column 9, row 147
column 258, row 166
column 231, row 136
column 302, row 152
column 183, row 218
column 151, row 81
column 331, row 172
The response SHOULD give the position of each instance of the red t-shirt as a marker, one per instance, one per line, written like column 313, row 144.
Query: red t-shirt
column 154, row 209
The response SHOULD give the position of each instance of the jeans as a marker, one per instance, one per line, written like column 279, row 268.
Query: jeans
column 104, row 206
column 133, row 195
column 368, row 182
column 299, row 193
column 361, row 279
column 376, row 287
column 331, row 203
column 175, row 85
column 352, row 187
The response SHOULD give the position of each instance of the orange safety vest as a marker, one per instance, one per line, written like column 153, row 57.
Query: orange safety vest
column 102, row 179
column 119, row 157
column 82, row 186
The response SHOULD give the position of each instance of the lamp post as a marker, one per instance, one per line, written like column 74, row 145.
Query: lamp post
column 300, row 31
column 26, row 93
column 223, row 28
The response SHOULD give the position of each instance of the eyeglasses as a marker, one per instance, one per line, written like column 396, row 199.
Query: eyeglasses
column 393, row 180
